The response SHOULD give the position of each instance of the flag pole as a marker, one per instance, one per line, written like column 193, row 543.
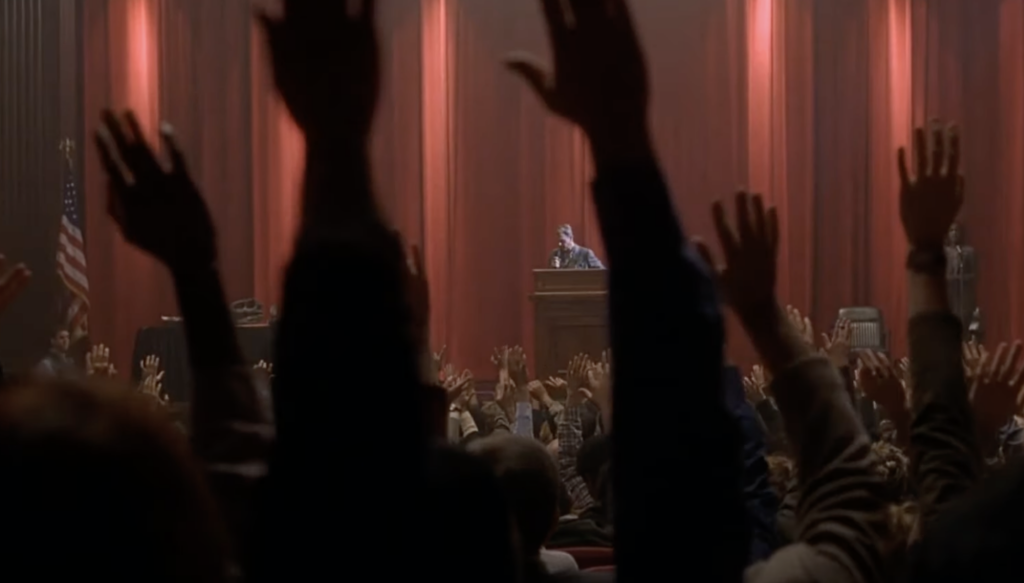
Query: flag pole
column 67, row 147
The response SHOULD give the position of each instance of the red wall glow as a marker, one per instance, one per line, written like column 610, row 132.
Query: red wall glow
column 438, row 77
column 143, row 76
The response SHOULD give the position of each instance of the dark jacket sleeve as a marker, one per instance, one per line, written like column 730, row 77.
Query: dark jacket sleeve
column 761, row 500
column 663, row 309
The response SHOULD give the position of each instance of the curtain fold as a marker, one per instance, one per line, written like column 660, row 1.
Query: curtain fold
column 804, row 101
column 128, row 288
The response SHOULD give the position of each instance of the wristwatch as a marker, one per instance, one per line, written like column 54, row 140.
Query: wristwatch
column 927, row 260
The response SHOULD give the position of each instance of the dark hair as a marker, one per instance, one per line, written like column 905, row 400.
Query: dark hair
column 99, row 485
column 529, row 480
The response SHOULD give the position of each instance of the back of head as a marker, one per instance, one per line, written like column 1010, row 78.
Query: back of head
column 979, row 537
column 529, row 481
column 98, row 485
column 467, row 521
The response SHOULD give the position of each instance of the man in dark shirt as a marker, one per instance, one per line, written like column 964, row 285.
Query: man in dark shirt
column 569, row 255
column 57, row 363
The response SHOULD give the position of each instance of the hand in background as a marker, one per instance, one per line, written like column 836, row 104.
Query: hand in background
column 264, row 371
column 754, row 386
column 749, row 275
column 837, row 346
column 994, row 392
column 150, row 366
column 437, row 364
column 881, row 382
column 576, row 390
column 931, row 199
column 97, row 362
column 157, row 206
column 12, row 282
column 154, row 388
column 974, row 355
column 517, row 366
column 802, row 324
column 598, row 79
column 326, row 65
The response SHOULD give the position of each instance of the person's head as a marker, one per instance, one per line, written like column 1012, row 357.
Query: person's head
column 61, row 341
column 565, row 240
column 529, row 480
column 954, row 234
column 99, row 485
column 894, row 468
column 592, row 463
column 781, row 473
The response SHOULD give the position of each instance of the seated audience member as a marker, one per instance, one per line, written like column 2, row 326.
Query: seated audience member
column 591, row 526
column 101, row 487
column 57, row 363
column 529, row 481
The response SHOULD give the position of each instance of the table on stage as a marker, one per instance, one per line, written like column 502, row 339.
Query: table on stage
column 168, row 343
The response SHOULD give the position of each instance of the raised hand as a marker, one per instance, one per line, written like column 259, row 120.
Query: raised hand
column 996, row 387
column 155, row 204
column 802, row 324
column 837, row 346
column 517, row 365
column 578, row 378
column 97, row 362
column 150, row 366
column 436, row 364
column 458, row 385
column 326, row 64
column 749, row 275
column 974, row 355
column 879, row 381
column 264, row 370
column 754, row 391
column 12, row 282
column 598, row 79
column 153, row 387
column 931, row 199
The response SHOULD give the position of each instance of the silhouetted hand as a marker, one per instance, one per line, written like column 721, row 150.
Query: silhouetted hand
column 749, row 275
column 326, row 66
column 598, row 79
column 931, row 200
column 12, row 282
column 157, row 206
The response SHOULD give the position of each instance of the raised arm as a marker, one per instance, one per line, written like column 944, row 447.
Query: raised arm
column 662, row 309
column 840, row 519
column 345, row 308
column 944, row 454
column 160, row 211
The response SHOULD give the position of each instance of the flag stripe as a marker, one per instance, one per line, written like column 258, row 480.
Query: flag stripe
column 71, row 262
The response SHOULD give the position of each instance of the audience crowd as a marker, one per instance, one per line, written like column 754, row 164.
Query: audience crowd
column 656, row 460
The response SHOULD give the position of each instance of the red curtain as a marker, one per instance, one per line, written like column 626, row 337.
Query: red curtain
column 128, row 289
column 804, row 101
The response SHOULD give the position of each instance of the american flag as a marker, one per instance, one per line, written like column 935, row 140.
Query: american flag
column 71, row 257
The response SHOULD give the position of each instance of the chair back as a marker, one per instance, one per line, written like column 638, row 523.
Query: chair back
column 590, row 557
column 867, row 328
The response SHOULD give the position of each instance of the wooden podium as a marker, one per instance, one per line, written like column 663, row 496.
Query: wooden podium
column 570, row 308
